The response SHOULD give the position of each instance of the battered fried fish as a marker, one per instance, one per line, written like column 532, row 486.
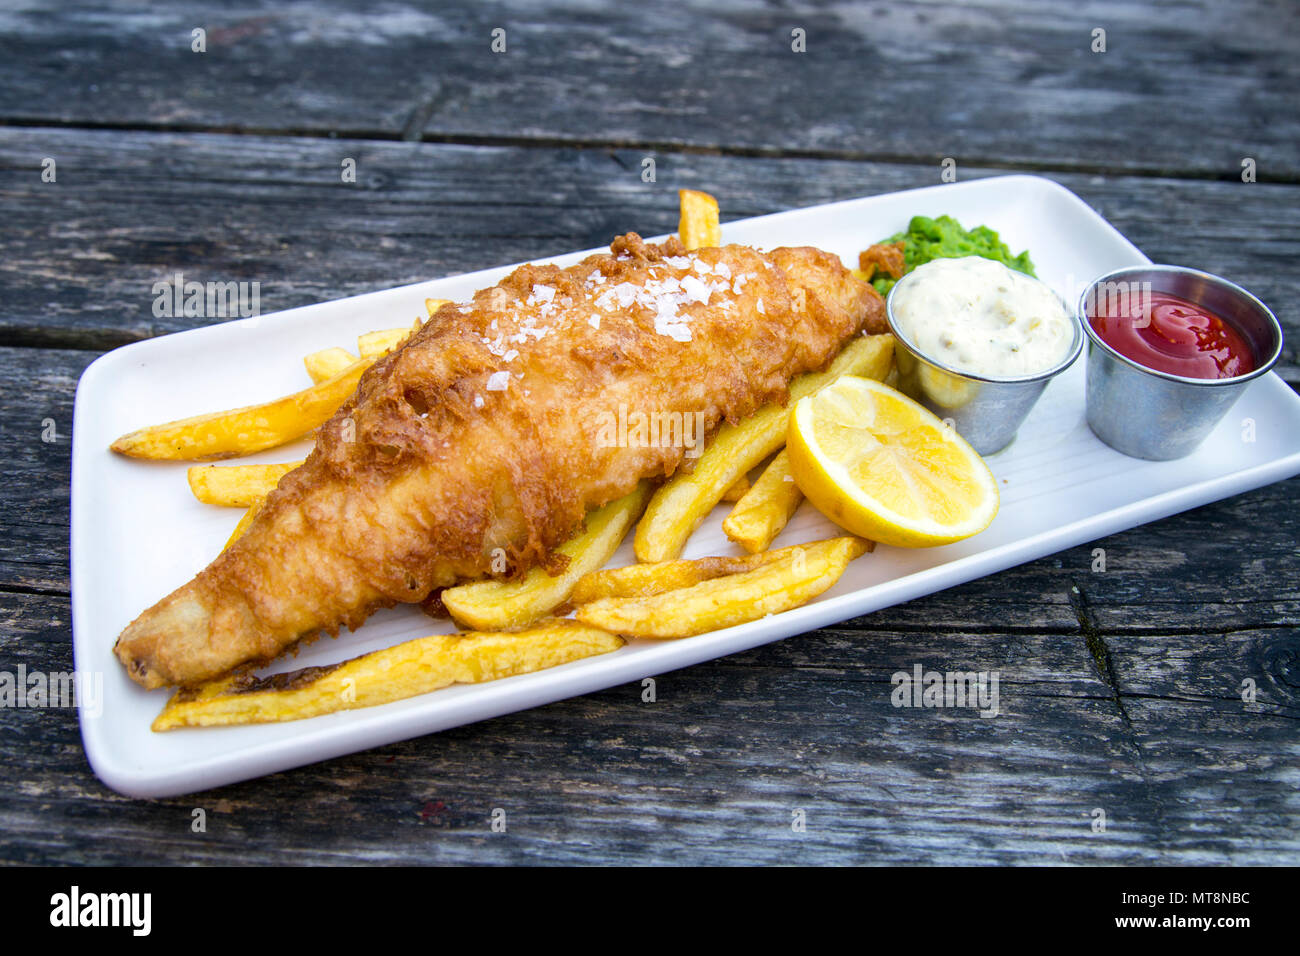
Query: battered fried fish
column 484, row 440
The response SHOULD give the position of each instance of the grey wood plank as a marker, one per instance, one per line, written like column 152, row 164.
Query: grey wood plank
column 36, row 448
column 1183, row 87
column 1245, row 546
column 714, row 769
column 79, row 257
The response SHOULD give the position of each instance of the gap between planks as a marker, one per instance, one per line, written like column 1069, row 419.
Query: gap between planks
column 407, row 134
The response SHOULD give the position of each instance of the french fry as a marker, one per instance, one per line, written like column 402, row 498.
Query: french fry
column 759, row 516
column 375, row 344
column 395, row 673
column 680, row 504
column 794, row 579
column 242, row 431
column 327, row 363
column 236, row 486
column 645, row 580
column 494, row 605
column 698, row 224
column 737, row 490
column 244, row 522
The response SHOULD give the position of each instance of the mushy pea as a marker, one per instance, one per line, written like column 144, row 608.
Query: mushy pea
column 927, row 239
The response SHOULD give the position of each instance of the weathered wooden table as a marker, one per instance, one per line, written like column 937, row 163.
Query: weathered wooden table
column 1121, row 690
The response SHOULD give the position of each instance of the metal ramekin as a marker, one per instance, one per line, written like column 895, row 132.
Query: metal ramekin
column 986, row 411
column 1155, row 415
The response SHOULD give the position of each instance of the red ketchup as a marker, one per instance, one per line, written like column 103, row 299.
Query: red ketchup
column 1169, row 334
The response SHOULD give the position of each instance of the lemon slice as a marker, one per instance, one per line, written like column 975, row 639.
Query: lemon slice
column 881, row 466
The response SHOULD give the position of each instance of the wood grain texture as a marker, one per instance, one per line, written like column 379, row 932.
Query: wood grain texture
column 1183, row 87
column 36, row 448
column 715, row 768
column 237, row 208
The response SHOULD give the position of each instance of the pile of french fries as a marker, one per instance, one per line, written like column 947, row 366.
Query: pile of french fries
column 515, row 627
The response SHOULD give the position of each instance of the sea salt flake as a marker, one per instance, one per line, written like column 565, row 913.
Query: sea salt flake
column 626, row 293
column 498, row 381
column 695, row 290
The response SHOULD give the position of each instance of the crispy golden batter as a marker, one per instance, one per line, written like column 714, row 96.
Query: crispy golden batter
column 486, row 438
column 883, row 259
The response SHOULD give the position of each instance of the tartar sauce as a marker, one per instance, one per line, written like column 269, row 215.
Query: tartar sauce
column 976, row 315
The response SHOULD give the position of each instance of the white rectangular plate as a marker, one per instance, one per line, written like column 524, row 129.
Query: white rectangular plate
column 138, row 533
